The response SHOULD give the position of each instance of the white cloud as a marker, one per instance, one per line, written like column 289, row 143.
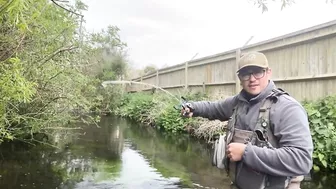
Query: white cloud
column 171, row 32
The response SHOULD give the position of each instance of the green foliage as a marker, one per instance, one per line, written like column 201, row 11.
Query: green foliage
column 51, row 69
column 322, row 120
column 137, row 106
column 107, row 99
column 14, row 87
column 170, row 120
column 108, row 54
column 149, row 69
column 156, row 110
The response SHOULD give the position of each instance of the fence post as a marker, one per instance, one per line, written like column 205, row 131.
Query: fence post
column 141, row 86
column 238, row 54
column 157, row 78
column 203, row 87
column 186, row 76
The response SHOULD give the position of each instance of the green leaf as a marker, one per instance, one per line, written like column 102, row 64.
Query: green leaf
column 321, row 157
column 316, row 168
column 324, row 163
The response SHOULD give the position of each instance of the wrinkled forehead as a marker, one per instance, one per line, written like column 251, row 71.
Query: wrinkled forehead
column 250, row 69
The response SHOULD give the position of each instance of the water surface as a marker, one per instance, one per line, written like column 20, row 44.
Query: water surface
column 119, row 154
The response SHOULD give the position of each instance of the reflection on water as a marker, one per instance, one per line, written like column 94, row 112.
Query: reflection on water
column 119, row 154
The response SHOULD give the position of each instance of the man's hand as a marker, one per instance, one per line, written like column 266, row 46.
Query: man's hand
column 185, row 112
column 235, row 151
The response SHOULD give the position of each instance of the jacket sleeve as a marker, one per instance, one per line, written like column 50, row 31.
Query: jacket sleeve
column 221, row 110
column 294, row 156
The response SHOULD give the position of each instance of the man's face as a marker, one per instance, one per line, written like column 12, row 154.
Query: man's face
column 254, row 79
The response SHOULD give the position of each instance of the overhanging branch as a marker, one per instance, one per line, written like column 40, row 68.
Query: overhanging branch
column 57, row 52
column 54, row 1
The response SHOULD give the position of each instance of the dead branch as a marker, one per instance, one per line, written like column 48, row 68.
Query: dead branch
column 209, row 128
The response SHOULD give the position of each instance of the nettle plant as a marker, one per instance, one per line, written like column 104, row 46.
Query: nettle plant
column 322, row 120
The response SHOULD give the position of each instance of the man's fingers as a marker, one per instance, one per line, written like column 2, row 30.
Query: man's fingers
column 228, row 151
column 186, row 112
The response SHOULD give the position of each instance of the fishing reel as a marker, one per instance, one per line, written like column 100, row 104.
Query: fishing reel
column 183, row 105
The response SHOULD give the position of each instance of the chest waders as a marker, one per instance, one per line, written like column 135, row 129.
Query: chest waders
column 241, row 175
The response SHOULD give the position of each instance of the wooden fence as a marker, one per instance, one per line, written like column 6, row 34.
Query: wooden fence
column 303, row 63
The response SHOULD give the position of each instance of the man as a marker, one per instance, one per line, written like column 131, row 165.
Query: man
column 268, row 141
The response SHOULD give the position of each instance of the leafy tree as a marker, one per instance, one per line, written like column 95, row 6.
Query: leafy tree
column 149, row 69
column 51, row 68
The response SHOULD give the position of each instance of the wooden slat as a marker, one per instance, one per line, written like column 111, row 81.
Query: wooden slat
column 303, row 63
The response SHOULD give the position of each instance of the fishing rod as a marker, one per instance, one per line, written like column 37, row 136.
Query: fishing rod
column 182, row 103
column 140, row 83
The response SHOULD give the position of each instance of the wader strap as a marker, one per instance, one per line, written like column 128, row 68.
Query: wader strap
column 231, row 166
column 264, row 116
column 265, row 126
column 264, row 123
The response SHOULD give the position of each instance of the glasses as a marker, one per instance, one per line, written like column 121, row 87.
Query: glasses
column 256, row 74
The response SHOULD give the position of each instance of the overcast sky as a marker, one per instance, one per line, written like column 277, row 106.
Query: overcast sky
column 169, row 32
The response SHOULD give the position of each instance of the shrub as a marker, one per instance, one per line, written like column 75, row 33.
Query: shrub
column 322, row 120
column 156, row 110
column 136, row 106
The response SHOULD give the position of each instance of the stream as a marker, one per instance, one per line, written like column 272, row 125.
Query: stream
column 118, row 154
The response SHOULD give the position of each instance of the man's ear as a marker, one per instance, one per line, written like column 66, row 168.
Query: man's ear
column 269, row 72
